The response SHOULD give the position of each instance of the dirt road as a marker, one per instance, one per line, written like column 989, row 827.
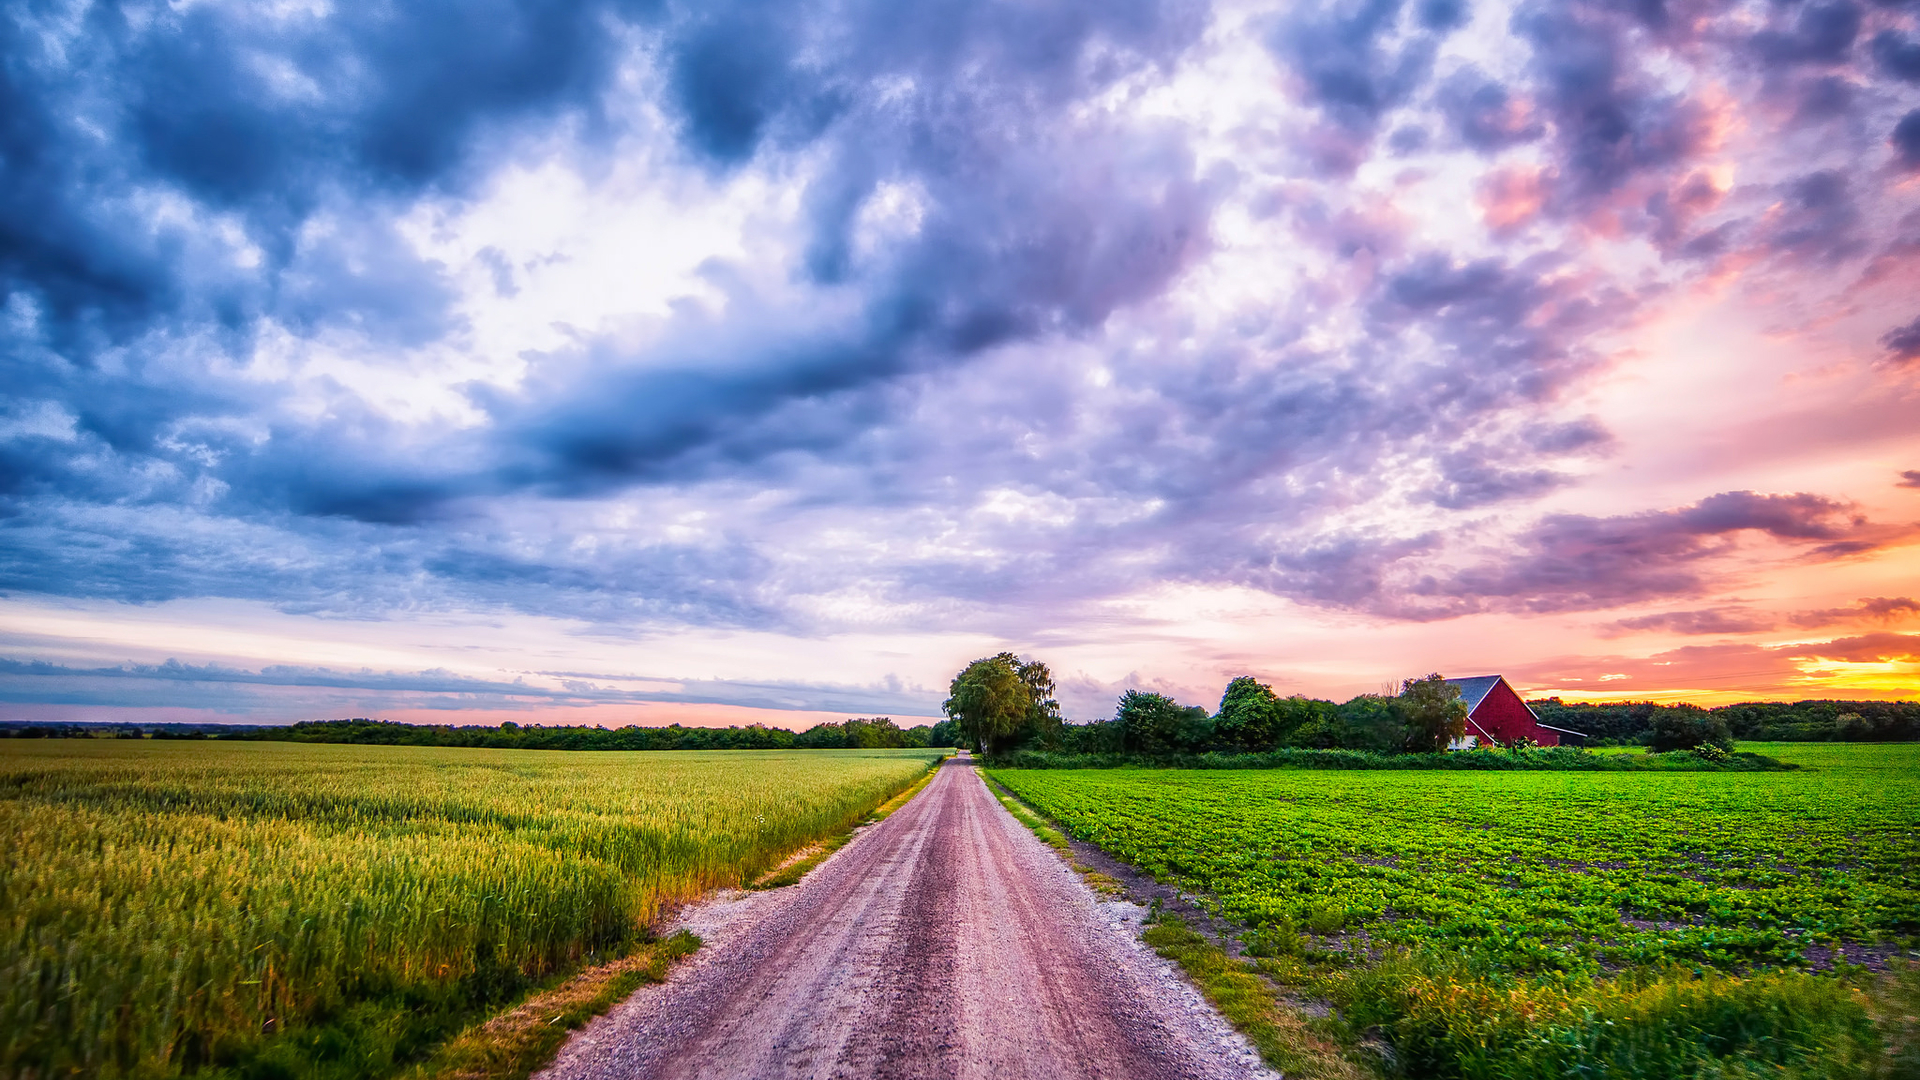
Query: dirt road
column 946, row 941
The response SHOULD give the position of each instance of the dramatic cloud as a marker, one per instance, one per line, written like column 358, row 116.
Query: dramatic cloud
column 1745, row 620
column 1906, row 141
column 1884, row 609
column 1574, row 561
column 1701, row 621
column 1865, row 649
column 1903, row 343
column 804, row 320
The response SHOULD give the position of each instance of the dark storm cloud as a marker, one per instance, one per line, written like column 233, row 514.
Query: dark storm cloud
column 1468, row 481
column 145, row 553
column 1909, row 478
column 1819, row 34
column 274, row 118
column 1818, row 220
column 1826, row 97
column 1610, row 122
column 261, row 114
column 1484, row 114
column 1902, row 344
column 1905, row 141
column 1508, row 332
column 1358, row 61
column 1575, row 561
column 1037, row 217
column 1885, row 609
column 1741, row 620
column 1897, row 55
column 1031, row 246
column 1701, row 621
column 1012, row 241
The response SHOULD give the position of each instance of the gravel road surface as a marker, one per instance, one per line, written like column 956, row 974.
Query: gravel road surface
column 945, row 941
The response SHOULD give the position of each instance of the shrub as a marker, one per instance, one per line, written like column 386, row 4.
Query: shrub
column 1277, row 938
column 1661, row 1025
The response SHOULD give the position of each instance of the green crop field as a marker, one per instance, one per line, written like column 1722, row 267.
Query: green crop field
column 1529, row 878
column 195, row 906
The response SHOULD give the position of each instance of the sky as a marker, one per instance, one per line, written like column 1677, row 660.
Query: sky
column 618, row 362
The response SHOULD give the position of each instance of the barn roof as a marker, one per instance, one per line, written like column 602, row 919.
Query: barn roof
column 1474, row 690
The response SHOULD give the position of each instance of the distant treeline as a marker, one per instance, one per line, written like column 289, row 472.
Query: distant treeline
column 866, row 733
column 1633, row 722
column 1534, row 759
column 1004, row 704
column 1250, row 720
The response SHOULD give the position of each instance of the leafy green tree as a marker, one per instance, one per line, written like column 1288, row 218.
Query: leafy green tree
column 1156, row 724
column 1433, row 713
column 1042, row 722
column 1366, row 722
column 989, row 704
column 1688, row 727
column 1249, row 717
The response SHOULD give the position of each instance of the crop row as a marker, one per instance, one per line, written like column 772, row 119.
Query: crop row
column 1516, row 872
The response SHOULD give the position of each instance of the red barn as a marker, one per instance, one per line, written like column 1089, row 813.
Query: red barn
column 1496, row 714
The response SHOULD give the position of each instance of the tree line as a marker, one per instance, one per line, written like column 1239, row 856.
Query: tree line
column 1009, row 704
column 863, row 733
column 1628, row 723
column 1003, row 703
column 878, row 732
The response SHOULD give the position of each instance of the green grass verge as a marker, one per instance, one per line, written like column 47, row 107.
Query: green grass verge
column 1287, row 1040
column 514, row 1044
column 1057, row 840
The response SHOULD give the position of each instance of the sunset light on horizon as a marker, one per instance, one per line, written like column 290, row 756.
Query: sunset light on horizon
column 729, row 364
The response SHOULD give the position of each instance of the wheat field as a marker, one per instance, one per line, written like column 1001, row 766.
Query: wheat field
column 173, row 907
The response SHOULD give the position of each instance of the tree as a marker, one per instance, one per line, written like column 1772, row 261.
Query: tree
column 1249, row 717
column 1156, row 724
column 1365, row 722
column 989, row 703
column 1688, row 727
column 1433, row 713
column 1042, row 722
